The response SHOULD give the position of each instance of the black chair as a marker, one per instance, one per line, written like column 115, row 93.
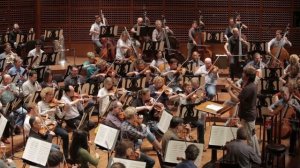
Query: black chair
column 70, row 68
column 48, row 58
column 2, row 63
column 278, row 151
column 40, row 73
column 122, row 68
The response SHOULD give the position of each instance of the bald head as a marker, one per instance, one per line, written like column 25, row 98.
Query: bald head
column 207, row 63
column 140, row 21
column 6, row 79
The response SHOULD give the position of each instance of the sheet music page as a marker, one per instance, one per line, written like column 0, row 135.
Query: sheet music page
column 177, row 149
column 3, row 122
column 164, row 122
column 34, row 167
column 129, row 163
column 219, row 135
column 37, row 151
column 106, row 136
column 214, row 107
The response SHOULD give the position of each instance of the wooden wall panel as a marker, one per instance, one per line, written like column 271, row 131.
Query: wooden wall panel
column 76, row 16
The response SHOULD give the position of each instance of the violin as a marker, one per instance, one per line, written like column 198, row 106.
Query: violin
column 56, row 103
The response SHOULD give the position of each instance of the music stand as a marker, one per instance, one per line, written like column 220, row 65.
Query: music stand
column 214, row 37
column 108, row 31
column 145, row 31
column 2, row 64
column 40, row 72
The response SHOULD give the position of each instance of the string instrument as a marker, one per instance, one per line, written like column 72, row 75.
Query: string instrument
column 108, row 51
column 133, row 53
column 279, row 55
column 56, row 103
column 170, row 40
column 199, row 38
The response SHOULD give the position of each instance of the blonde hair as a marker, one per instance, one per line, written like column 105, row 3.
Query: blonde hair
column 294, row 59
column 130, row 112
column 46, row 91
column 158, row 79
column 90, row 54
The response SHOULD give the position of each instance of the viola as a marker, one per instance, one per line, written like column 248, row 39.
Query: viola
column 56, row 103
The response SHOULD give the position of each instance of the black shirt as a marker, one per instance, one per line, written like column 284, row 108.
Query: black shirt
column 247, row 109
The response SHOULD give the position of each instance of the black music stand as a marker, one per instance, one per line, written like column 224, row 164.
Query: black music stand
column 2, row 63
column 271, row 76
column 51, row 35
column 40, row 72
column 143, row 31
column 108, row 31
column 48, row 58
column 214, row 37
column 258, row 47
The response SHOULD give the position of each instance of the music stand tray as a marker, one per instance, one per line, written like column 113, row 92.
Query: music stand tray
column 108, row 31
column 210, row 107
column 145, row 30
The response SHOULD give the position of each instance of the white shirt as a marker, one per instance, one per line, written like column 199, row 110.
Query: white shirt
column 72, row 111
column 275, row 43
column 29, row 88
column 209, row 78
column 44, row 109
column 120, row 52
column 26, row 125
column 35, row 53
column 104, row 100
column 95, row 28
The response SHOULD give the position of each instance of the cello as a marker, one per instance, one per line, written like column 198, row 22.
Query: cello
column 279, row 55
column 199, row 38
column 108, row 51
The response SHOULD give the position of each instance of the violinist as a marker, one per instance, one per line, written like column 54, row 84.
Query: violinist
column 158, row 32
column 140, row 70
column 278, row 41
column 177, row 131
column 210, row 73
column 191, row 154
column 105, row 94
column 159, row 88
column 31, row 112
column 36, row 54
column 173, row 73
column 291, row 72
column 124, row 49
column 90, row 64
column 39, row 131
column 116, row 115
column 125, row 149
column 31, row 85
column 195, row 62
column 133, row 132
column 232, row 48
column 49, row 106
column 48, row 80
column 72, row 107
column 143, row 102
column 74, row 78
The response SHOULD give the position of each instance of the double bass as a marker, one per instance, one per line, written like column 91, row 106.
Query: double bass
column 199, row 38
column 279, row 55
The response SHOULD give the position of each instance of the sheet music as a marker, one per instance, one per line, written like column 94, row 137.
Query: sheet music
column 219, row 135
column 106, row 136
column 37, row 151
column 34, row 167
column 177, row 149
column 164, row 122
column 214, row 107
column 3, row 122
column 129, row 163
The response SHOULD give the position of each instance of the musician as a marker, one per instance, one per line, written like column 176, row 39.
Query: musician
column 72, row 107
column 48, row 80
column 247, row 109
column 104, row 95
column 195, row 62
column 176, row 131
column 9, row 55
column 31, row 112
column 118, row 165
column 158, row 33
column 31, row 85
column 45, row 109
column 211, row 75
column 55, row 159
column 191, row 154
column 239, row 152
column 142, row 102
column 291, row 72
column 159, row 63
column 114, row 118
column 257, row 62
column 192, row 41
column 18, row 71
column 141, row 70
column 8, row 93
column 123, row 47
column 228, row 31
column 232, row 48
column 159, row 88
column 36, row 53
column 90, row 65
column 12, row 37
column 132, row 132
column 125, row 149
column 95, row 32
column 74, row 78
column 173, row 73
column 79, row 150
column 278, row 41
column 35, row 131
column 133, row 30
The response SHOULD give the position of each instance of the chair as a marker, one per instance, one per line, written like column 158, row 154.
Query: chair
column 278, row 151
column 2, row 64
column 70, row 68
column 133, row 83
column 48, row 58
column 122, row 68
column 40, row 73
